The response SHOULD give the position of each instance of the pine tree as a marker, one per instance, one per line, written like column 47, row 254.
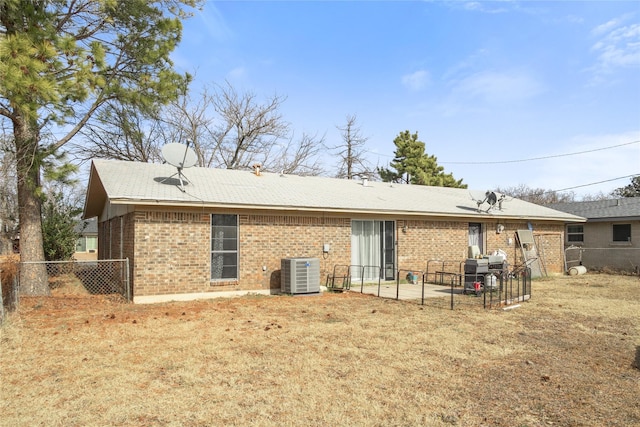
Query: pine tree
column 412, row 164
column 60, row 62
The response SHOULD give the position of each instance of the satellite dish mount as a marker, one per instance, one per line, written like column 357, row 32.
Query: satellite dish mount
column 180, row 156
column 491, row 198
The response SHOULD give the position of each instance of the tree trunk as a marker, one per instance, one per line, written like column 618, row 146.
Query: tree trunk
column 33, row 277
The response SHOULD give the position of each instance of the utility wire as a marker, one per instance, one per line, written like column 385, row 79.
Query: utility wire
column 549, row 157
column 540, row 158
column 475, row 162
column 594, row 183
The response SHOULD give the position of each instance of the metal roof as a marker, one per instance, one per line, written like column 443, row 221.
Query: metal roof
column 611, row 209
column 134, row 183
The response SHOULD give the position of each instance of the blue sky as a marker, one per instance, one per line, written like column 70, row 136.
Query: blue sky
column 480, row 82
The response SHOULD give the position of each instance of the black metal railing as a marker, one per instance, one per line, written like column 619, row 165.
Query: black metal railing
column 498, row 288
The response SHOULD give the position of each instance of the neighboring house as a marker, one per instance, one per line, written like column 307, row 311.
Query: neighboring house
column 87, row 243
column 226, row 231
column 609, row 239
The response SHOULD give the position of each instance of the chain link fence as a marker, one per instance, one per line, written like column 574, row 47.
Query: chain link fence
column 68, row 278
column 98, row 277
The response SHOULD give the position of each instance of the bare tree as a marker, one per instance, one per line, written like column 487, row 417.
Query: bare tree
column 597, row 196
column 188, row 119
column 538, row 196
column 121, row 132
column 351, row 151
column 226, row 129
column 299, row 157
column 247, row 129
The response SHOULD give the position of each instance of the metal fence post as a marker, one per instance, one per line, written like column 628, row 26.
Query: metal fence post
column 126, row 280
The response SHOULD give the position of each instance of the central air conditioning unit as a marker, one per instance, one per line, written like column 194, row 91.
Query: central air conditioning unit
column 300, row 275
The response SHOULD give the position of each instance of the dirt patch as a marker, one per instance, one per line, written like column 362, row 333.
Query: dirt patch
column 568, row 357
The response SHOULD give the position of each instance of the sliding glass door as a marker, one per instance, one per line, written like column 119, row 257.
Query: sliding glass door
column 373, row 246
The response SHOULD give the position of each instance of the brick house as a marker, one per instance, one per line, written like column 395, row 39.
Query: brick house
column 610, row 237
column 87, row 242
column 224, row 232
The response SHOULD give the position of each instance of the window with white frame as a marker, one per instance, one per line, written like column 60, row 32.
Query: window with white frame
column 575, row 233
column 621, row 232
column 87, row 244
column 224, row 247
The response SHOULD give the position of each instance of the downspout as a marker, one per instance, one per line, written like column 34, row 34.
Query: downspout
column 121, row 238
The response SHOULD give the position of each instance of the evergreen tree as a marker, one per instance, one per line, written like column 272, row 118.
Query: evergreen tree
column 413, row 165
column 59, row 219
column 631, row 190
column 60, row 62
column 60, row 209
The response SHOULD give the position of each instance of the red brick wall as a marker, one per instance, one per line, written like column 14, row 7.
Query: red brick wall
column 170, row 252
column 548, row 237
column 266, row 239
column 420, row 241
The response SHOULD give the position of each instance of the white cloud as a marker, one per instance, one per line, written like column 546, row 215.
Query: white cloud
column 238, row 73
column 607, row 26
column 482, row 7
column 472, row 5
column 617, row 46
column 416, row 81
column 620, row 47
column 497, row 87
column 215, row 23
column 575, row 19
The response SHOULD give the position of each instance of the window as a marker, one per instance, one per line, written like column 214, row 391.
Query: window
column 81, row 245
column 92, row 243
column 87, row 244
column 575, row 233
column 224, row 247
column 621, row 232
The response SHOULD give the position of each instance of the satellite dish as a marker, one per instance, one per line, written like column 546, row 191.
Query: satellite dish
column 180, row 156
column 491, row 197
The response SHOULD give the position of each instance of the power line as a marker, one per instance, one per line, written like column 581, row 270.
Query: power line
column 521, row 160
column 596, row 183
column 540, row 158
column 550, row 157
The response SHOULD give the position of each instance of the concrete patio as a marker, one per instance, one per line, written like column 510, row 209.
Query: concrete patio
column 406, row 291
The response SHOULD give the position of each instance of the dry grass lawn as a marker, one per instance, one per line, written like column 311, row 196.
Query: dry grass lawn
column 568, row 357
